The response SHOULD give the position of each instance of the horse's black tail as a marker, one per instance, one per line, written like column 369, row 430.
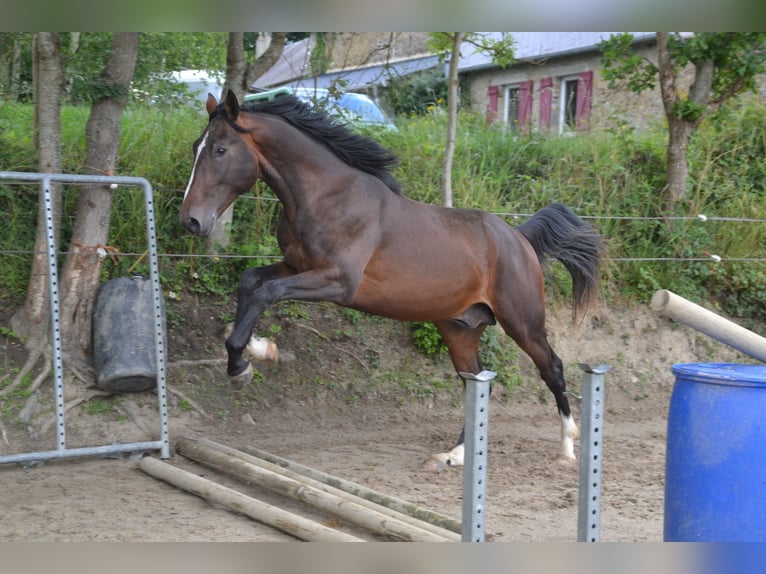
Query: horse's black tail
column 557, row 232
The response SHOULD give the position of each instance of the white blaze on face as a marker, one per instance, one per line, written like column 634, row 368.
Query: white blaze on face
column 200, row 149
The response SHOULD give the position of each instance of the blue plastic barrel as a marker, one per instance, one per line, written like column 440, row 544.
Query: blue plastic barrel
column 715, row 471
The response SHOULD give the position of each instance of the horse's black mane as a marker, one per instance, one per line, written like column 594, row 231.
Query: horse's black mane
column 356, row 150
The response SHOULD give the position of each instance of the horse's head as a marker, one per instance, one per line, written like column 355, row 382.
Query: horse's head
column 225, row 166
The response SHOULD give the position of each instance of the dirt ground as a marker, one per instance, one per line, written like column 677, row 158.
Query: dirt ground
column 332, row 404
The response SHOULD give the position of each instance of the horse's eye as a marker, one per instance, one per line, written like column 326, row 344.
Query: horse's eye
column 220, row 150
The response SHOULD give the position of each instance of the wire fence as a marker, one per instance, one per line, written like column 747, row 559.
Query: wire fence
column 514, row 216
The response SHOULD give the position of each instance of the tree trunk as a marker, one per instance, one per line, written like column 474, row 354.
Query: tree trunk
column 82, row 269
column 452, row 106
column 264, row 60
column 32, row 320
column 680, row 126
column 235, row 65
column 16, row 65
column 677, row 170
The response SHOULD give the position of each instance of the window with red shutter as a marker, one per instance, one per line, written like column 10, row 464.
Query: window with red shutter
column 492, row 94
column 525, row 105
column 584, row 93
column 546, row 102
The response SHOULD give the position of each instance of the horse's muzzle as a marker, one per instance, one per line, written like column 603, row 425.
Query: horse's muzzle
column 193, row 226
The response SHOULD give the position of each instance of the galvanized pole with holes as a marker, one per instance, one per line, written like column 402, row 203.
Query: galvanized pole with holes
column 591, row 447
column 477, row 390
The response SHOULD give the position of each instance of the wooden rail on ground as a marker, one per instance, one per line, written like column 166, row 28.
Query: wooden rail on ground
column 348, row 506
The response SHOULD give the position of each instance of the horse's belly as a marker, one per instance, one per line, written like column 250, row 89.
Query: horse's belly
column 419, row 298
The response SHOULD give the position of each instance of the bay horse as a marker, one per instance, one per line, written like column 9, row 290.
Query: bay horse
column 350, row 237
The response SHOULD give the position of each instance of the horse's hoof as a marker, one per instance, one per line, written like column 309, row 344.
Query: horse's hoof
column 567, row 460
column 444, row 460
column 437, row 463
column 263, row 349
column 239, row 381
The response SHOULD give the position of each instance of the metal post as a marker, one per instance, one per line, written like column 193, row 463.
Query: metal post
column 477, row 390
column 53, row 288
column 591, row 445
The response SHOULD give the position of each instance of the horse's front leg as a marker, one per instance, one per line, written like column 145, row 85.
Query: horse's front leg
column 262, row 287
column 248, row 312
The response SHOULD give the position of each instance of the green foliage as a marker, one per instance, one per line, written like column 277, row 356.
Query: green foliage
column 416, row 93
column 84, row 56
column 100, row 406
column 501, row 50
column 319, row 60
column 620, row 61
column 738, row 57
column 612, row 175
column 427, row 339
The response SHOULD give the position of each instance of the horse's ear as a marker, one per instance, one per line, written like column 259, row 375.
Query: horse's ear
column 231, row 105
column 211, row 103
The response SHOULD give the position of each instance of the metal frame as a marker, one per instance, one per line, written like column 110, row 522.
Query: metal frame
column 163, row 444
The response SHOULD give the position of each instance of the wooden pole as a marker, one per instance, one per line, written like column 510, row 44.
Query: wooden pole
column 344, row 507
column 361, row 491
column 283, row 520
column 325, row 487
column 668, row 304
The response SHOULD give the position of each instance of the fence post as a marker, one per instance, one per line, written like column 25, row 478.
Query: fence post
column 477, row 390
column 591, row 445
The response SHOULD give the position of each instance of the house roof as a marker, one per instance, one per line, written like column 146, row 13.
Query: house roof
column 293, row 64
column 379, row 74
column 537, row 45
column 292, row 68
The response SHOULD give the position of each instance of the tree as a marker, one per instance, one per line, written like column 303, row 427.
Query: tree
column 449, row 43
column 244, row 67
column 82, row 268
column 31, row 321
column 721, row 66
column 15, row 76
column 66, row 67
column 452, row 101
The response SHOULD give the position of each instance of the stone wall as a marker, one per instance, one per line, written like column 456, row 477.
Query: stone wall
column 356, row 49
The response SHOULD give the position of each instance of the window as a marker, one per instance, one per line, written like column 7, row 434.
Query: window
column 511, row 116
column 518, row 106
column 568, row 119
column 575, row 102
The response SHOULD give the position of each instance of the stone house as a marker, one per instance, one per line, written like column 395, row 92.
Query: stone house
column 555, row 85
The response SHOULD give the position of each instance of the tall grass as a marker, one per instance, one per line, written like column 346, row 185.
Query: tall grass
column 619, row 173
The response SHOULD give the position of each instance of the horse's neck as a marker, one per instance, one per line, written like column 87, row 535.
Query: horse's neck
column 298, row 169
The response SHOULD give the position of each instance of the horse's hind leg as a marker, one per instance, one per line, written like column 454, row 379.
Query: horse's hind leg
column 463, row 344
column 529, row 334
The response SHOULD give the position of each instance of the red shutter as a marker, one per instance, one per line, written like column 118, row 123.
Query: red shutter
column 584, row 91
column 546, row 101
column 492, row 95
column 525, row 105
